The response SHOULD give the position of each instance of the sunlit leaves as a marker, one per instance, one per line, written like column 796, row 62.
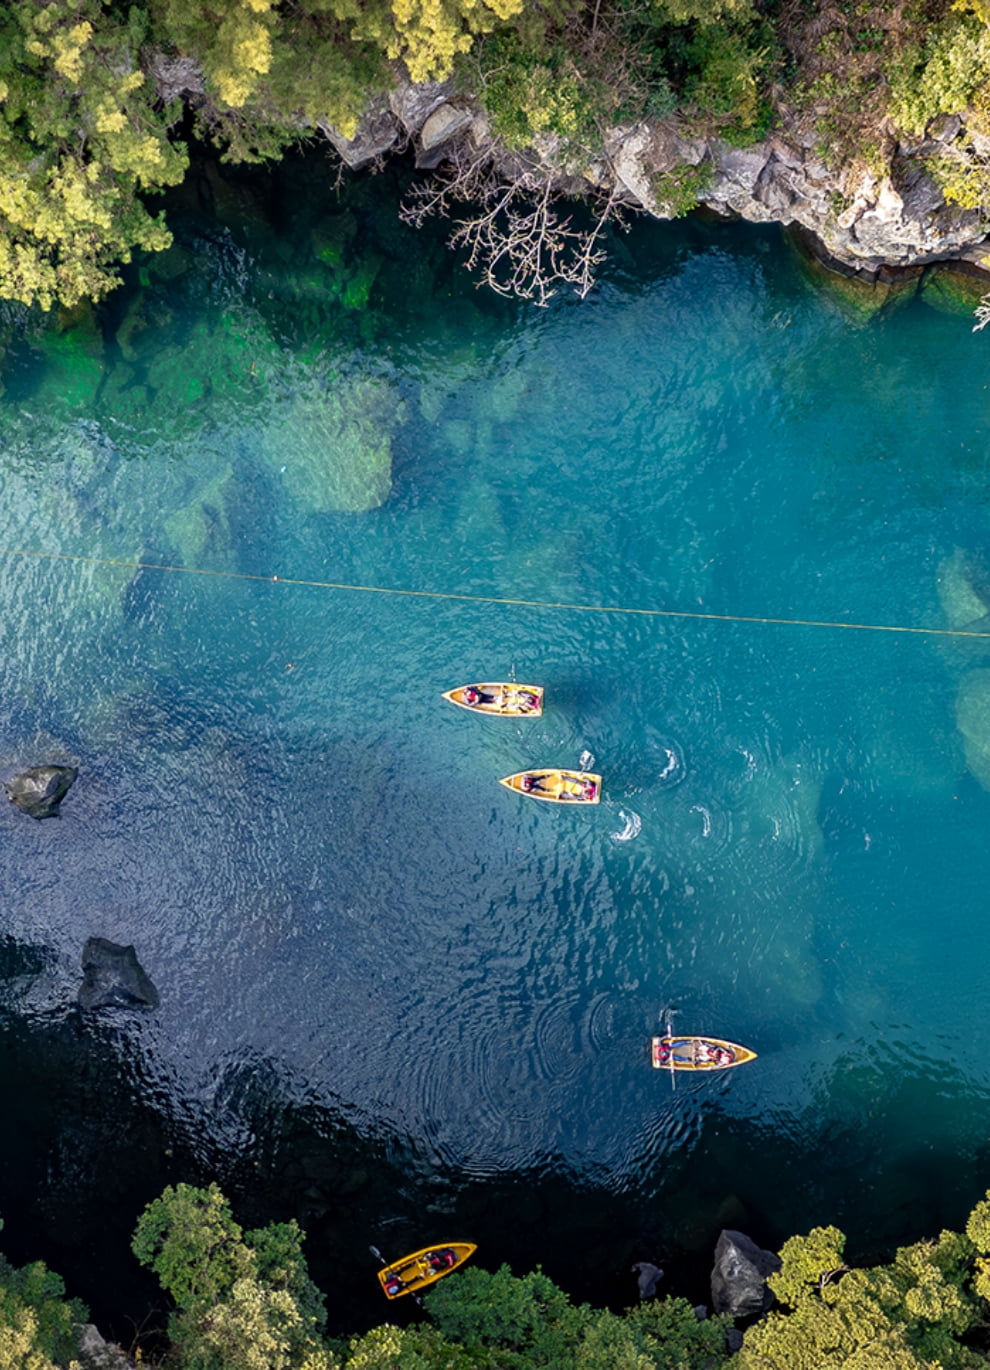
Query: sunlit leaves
column 79, row 139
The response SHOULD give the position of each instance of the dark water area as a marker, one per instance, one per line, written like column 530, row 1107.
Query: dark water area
column 398, row 1002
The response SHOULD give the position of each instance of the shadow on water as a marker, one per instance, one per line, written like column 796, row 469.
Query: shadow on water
column 88, row 1139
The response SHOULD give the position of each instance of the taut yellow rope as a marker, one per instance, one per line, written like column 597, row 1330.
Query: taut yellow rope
column 505, row 600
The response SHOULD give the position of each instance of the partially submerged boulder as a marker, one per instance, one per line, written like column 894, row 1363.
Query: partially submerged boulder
column 648, row 1277
column 739, row 1278
column 113, row 977
column 39, row 790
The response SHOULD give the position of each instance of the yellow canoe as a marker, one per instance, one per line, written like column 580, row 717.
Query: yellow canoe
column 556, row 786
column 501, row 697
column 698, row 1053
column 422, row 1268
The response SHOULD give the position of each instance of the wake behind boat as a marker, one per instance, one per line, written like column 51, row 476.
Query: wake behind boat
column 413, row 1273
column 501, row 697
column 557, row 786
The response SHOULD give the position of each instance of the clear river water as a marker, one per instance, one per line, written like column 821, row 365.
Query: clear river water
column 399, row 1002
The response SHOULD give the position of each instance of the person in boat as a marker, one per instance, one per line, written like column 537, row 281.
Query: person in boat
column 532, row 783
column 394, row 1285
column 472, row 695
column 589, row 789
column 441, row 1260
column 523, row 700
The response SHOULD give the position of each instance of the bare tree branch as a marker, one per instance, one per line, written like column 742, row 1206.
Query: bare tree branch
column 515, row 236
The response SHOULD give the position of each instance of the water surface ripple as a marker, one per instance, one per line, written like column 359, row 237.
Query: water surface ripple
column 396, row 998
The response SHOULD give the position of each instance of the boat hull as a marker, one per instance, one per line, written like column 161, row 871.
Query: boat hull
column 556, row 786
column 698, row 1053
column 504, row 699
column 417, row 1271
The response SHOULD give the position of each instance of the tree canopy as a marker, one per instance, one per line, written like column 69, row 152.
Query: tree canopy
column 87, row 140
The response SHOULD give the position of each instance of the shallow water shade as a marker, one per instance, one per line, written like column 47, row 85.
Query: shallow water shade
column 398, row 1001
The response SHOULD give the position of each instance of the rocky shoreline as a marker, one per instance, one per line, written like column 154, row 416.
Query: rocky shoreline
column 855, row 221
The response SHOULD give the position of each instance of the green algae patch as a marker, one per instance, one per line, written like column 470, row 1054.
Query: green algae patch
column 73, row 367
column 330, row 444
column 222, row 369
column 358, row 282
column 333, row 237
column 953, row 291
column 859, row 297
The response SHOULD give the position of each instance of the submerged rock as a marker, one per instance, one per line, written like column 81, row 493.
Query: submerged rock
column 331, row 444
column 739, row 1278
column 963, row 589
column 39, row 790
column 973, row 722
column 113, row 977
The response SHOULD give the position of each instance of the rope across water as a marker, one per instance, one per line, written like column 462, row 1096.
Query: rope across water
column 505, row 600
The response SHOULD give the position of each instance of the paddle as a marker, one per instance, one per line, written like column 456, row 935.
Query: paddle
column 667, row 1019
column 378, row 1256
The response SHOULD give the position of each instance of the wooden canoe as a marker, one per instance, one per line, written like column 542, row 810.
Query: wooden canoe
column 558, row 787
column 501, row 697
column 698, row 1053
column 422, row 1268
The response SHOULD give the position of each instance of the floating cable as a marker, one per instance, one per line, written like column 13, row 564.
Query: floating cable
column 510, row 602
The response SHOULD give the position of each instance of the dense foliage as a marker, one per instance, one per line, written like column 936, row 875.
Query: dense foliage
column 37, row 1323
column 88, row 131
column 244, row 1301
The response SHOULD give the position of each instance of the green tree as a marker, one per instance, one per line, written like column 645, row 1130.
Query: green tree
column 79, row 142
column 414, row 1348
column 37, row 1329
column 244, row 1300
column 702, row 11
column 908, row 1315
column 527, row 1314
column 944, row 72
column 661, row 1334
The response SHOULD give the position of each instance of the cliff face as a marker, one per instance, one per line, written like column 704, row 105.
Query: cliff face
column 861, row 220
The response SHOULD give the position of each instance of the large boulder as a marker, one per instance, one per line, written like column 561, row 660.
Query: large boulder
column 330, row 444
column 648, row 1277
column 376, row 132
column 113, row 978
column 739, row 1278
column 39, row 790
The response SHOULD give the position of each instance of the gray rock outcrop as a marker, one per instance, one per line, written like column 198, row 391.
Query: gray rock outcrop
column 95, row 1353
column 39, row 790
column 113, row 977
column 739, row 1278
column 862, row 219
column 648, row 1277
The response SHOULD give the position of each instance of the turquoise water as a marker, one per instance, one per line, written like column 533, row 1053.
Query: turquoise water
column 397, row 1000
